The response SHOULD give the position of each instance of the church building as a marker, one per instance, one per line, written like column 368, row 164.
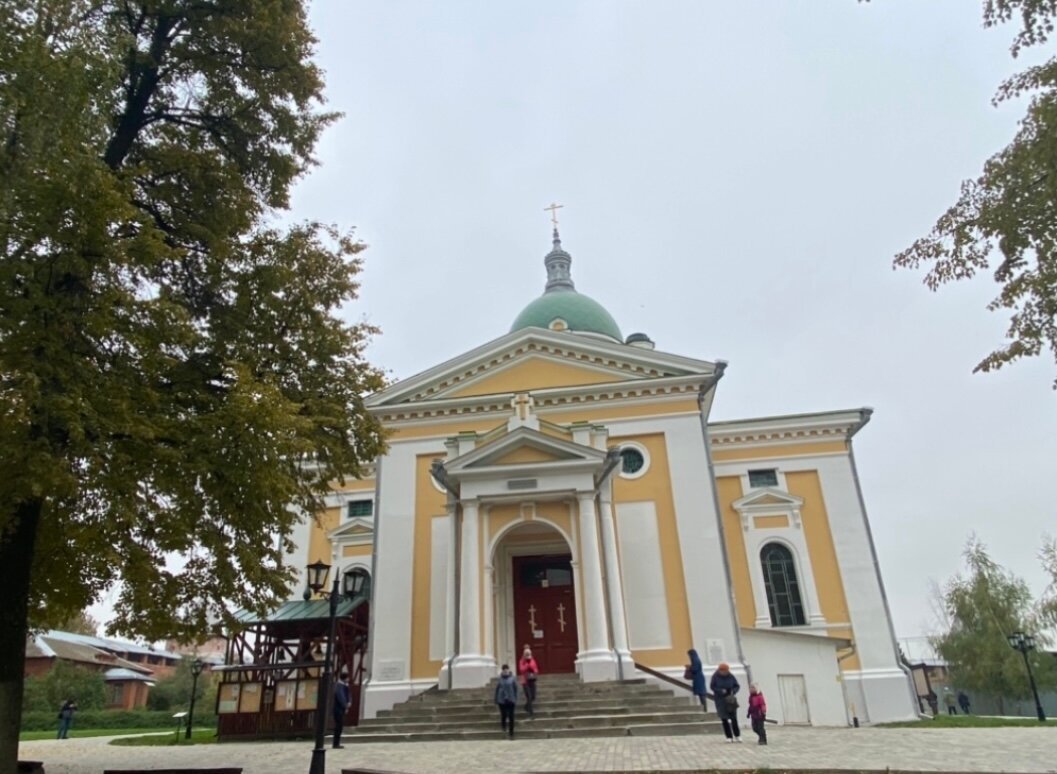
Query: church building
column 563, row 487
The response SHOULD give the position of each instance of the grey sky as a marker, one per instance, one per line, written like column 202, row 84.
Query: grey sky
column 737, row 177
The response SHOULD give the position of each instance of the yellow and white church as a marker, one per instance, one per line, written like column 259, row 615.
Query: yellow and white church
column 562, row 486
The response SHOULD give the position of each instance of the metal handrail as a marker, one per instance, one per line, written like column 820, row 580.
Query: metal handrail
column 669, row 680
column 679, row 683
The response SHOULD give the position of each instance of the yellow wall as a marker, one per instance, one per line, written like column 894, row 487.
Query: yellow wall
column 525, row 454
column 656, row 486
column 819, row 539
column 364, row 550
column 778, row 450
column 536, row 373
column 429, row 503
column 352, row 485
column 770, row 522
column 728, row 489
column 318, row 545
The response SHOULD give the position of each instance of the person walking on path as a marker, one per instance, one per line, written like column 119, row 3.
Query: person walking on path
column 66, row 718
column 695, row 673
column 963, row 701
column 725, row 689
column 506, row 698
column 758, row 712
column 528, row 670
column 948, row 699
column 341, row 706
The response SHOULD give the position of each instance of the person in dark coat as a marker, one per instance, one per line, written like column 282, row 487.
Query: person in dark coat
column 341, row 706
column 695, row 672
column 66, row 718
column 725, row 689
column 506, row 699
column 963, row 701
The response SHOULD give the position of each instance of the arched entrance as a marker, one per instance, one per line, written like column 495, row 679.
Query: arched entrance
column 535, row 597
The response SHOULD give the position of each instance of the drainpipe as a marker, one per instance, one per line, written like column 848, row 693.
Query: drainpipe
column 702, row 394
column 844, row 686
column 604, row 480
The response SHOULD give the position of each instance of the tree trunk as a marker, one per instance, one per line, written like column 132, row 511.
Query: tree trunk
column 16, row 561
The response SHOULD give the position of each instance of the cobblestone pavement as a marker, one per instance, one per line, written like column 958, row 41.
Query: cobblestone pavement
column 961, row 750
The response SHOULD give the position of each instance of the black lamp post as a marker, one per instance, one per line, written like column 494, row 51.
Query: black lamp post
column 1024, row 643
column 196, row 670
column 353, row 585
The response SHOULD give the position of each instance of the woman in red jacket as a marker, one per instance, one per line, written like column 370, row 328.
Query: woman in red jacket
column 528, row 670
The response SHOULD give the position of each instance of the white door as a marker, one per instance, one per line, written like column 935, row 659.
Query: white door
column 793, row 692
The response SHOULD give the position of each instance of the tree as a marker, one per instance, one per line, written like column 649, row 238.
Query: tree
column 1048, row 602
column 174, row 691
column 1008, row 215
column 64, row 681
column 985, row 608
column 176, row 385
column 79, row 623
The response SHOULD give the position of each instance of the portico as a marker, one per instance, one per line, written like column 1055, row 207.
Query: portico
column 536, row 543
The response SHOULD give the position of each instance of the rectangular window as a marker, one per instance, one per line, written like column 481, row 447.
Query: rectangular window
column 758, row 478
column 361, row 509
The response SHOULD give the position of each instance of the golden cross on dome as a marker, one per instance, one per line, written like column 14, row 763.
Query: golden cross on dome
column 553, row 209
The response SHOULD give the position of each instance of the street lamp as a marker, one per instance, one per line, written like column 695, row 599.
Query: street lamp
column 351, row 585
column 1024, row 643
column 196, row 669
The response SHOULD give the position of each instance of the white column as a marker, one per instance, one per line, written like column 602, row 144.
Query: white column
column 617, row 617
column 444, row 678
column 489, row 610
column 470, row 668
column 598, row 662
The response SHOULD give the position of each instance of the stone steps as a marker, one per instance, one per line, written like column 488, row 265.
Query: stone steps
column 565, row 708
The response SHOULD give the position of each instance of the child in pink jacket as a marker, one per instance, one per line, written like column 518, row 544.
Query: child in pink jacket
column 758, row 712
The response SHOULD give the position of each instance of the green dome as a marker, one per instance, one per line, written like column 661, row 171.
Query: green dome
column 579, row 313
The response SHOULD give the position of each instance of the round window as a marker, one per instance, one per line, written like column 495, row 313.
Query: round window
column 631, row 461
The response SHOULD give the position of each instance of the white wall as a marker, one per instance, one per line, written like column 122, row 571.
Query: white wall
column 771, row 653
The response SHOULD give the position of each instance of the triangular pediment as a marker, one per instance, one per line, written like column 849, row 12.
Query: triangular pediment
column 537, row 359
column 354, row 528
column 768, row 499
column 525, row 449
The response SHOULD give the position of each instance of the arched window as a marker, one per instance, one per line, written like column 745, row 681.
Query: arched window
column 783, row 589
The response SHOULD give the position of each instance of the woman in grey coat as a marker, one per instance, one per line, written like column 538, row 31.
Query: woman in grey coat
column 506, row 698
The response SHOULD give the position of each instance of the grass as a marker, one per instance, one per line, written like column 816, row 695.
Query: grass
column 75, row 733
column 968, row 721
column 200, row 736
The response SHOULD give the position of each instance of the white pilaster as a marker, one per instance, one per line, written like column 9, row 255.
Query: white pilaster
column 471, row 668
column 598, row 662
column 617, row 617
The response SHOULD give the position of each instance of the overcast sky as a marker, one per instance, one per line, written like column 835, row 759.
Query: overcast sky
column 736, row 179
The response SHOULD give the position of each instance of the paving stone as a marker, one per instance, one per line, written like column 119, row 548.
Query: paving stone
column 1029, row 750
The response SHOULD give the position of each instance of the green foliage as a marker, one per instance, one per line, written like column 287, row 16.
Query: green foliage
column 1048, row 603
column 176, row 382
column 114, row 719
column 46, row 693
column 1008, row 215
column 966, row 721
column 80, row 623
column 984, row 608
column 174, row 692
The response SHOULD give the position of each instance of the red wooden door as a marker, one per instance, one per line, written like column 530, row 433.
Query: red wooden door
column 545, row 611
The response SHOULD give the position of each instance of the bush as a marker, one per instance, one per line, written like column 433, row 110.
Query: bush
column 63, row 681
column 116, row 719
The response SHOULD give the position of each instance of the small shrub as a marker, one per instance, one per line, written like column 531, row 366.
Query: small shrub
column 116, row 719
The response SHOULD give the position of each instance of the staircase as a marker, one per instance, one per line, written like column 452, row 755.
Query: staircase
column 564, row 708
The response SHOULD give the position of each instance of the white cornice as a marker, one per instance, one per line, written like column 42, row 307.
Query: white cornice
column 545, row 400
column 635, row 361
column 792, row 428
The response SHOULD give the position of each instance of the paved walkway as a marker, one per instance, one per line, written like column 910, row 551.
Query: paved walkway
column 950, row 750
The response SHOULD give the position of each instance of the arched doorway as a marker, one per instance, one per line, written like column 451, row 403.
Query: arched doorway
column 535, row 597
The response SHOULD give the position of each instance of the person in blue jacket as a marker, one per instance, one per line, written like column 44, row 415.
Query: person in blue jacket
column 695, row 672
